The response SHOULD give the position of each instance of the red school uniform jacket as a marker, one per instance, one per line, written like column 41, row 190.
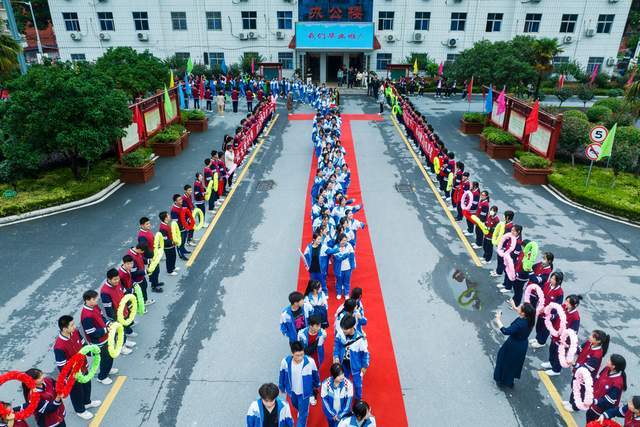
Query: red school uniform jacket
column 589, row 357
column 49, row 413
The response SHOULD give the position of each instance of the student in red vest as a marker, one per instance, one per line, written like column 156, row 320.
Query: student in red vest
column 146, row 237
column 608, row 388
column 208, row 175
column 570, row 306
column 553, row 292
column 124, row 271
column 249, row 96
column 630, row 412
column 9, row 420
column 50, row 411
column 96, row 328
column 68, row 343
column 169, row 246
column 111, row 294
column 487, row 243
column 508, row 225
column 199, row 191
column 187, row 202
column 139, row 272
column 482, row 211
column 178, row 214
column 234, row 99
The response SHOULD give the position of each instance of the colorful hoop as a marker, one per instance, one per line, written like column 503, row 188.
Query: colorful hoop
column 128, row 298
column 115, row 340
column 34, row 395
column 67, row 377
column 95, row 363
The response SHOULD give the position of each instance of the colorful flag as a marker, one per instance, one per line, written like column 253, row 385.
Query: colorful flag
column 502, row 102
column 561, row 81
column 171, row 82
column 187, row 86
column 223, row 67
column 183, row 105
column 632, row 76
column 488, row 104
column 189, row 65
column 531, row 125
column 415, row 66
column 469, row 90
column 138, row 120
column 607, row 145
column 594, row 74
column 440, row 68
column 168, row 108
column 253, row 66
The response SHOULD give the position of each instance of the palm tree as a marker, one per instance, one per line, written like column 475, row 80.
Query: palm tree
column 9, row 49
column 543, row 52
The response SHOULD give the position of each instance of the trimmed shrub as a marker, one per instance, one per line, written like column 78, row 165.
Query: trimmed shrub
column 137, row 158
column 168, row 135
column 575, row 113
column 599, row 114
column 614, row 104
column 615, row 92
column 498, row 136
column 574, row 134
column 533, row 161
column 474, row 117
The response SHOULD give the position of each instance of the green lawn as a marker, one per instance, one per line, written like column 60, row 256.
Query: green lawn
column 56, row 187
column 623, row 199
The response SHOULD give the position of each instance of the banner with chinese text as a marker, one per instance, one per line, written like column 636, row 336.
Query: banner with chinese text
column 335, row 10
column 340, row 36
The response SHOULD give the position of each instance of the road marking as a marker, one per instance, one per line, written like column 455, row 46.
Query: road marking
column 104, row 408
column 555, row 396
column 224, row 204
column 454, row 223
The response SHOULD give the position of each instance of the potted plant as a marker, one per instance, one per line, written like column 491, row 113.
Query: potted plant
column 137, row 167
column 531, row 169
column 169, row 141
column 483, row 136
column 194, row 120
column 472, row 123
column 500, row 144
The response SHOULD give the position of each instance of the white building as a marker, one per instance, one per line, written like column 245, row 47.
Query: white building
column 211, row 30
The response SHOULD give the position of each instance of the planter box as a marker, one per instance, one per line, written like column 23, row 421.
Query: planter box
column 184, row 140
column 470, row 128
column 530, row 176
column 168, row 149
column 197, row 125
column 483, row 143
column 500, row 151
column 140, row 175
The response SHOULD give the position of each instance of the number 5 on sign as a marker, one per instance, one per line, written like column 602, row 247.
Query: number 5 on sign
column 598, row 134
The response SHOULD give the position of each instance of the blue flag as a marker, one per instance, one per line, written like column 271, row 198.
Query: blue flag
column 223, row 67
column 488, row 106
column 212, row 86
column 188, row 86
column 183, row 106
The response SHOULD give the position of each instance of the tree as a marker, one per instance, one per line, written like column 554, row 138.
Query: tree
column 137, row 74
column 574, row 134
column 585, row 94
column 625, row 151
column 543, row 52
column 425, row 63
column 65, row 111
column 563, row 94
column 9, row 50
column 40, row 10
column 245, row 61
column 572, row 68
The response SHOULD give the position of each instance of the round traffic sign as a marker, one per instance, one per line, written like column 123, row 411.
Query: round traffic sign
column 592, row 151
column 598, row 134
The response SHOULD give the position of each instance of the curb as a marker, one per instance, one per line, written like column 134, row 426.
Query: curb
column 77, row 204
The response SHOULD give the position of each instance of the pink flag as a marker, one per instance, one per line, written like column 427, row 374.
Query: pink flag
column 633, row 75
column 561, row 81
column 440, row 68
column 253, row 66
column 594, row 74
column 502, row 104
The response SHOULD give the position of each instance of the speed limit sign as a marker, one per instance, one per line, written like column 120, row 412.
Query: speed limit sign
column 598, row 134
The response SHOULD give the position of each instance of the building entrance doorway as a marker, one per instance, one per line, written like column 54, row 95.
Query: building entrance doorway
column 334, row 62
column 313, row 67
column 356, row 61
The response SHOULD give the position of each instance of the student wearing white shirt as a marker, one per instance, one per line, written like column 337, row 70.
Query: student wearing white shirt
column 336, row 393
column 298, row 379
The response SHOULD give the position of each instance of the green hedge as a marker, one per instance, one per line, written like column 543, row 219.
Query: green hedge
column 474, row 117
column 621, row 199
column 599, row 114
column 137, row 158
column 56, row 187
column 498, row 136
column 167, row 135
column 532, row 161
column 192, row 115
column 575, row 113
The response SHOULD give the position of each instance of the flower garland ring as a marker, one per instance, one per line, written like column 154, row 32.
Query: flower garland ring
column 115, row 340
column 67, row 377
column 509, row 268
column 133, row 309
column 466, row 200
column 436, row 165
column 605, row 423
column 480, row 224
column 199, row 219
column 498, row 232
column 530, row 252
column 137, row 290
column 95, row 363
column 34, row 395
column 207, row 193
column 567, row 352
column 554, row 306
column 175, row 233
column 539, row 293
column 582, row 377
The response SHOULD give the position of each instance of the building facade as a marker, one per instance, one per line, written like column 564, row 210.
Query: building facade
column 319, row 36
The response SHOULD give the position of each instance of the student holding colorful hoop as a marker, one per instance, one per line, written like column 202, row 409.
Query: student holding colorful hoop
column 487, row 244
column 96, row 330
column 482, row 211
column 570, row 306
column 50, row 410
column 508, row 225
column 169, row 247
column 553, row 292
column 147, row 238
column 475, row 192
column 513, row 253
column 608, row 388
column 112, row 296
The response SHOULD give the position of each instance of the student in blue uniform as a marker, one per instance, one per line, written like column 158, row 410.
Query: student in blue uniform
column 315, row 296
column 514, row 350
column 336, row 393
column 312, row 338
column 294, row 317
column 299, row 378
column 269, row 410
column 343, row 265
column 316, row 256
column 361, row 416
column 351, row 350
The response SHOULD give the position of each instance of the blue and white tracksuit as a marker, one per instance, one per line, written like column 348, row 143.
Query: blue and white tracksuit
column 343, row 264
column 320, row 306
column 362, row 321
column 325, row 251
column 303, row 337
column 352, row 421
column 287, row 326
column 310, row 381
column 336, row 401
column 255, row 416
column 353, row 354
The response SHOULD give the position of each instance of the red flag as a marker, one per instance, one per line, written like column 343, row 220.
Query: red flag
column 561, row 81
column 137, row 119
column 253, row 65
column 594, row 74
column 440, row 68
column 469, row 90
column 633, row 76
column 202, row 89
column 531, row 125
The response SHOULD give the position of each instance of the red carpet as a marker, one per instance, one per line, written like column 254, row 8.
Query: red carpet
column 381, row 383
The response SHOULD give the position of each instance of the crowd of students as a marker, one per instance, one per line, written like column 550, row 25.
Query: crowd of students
column 515, row 275
column 137, row 271
column 305, row 320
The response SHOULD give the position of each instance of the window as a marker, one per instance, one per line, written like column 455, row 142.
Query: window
column 422, row 21
column 382, row 60
column 214, row 21
column 78, row 57
column 179, row 21
column 182, row 56
column 458, row 21
column 593, row 61
column 451, row 57
column 249, row 20
column 285, row 19
column 106, row 21
column 286, row 59
column 141, row 21
column 604, row 23
column 214, row 58
column 494, row 22
column 559, row 60
column 532, row 22
column 568, row 23
column 385, row 21
column 71, row 21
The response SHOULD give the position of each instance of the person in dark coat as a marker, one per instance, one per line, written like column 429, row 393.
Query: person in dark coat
column 514, row 350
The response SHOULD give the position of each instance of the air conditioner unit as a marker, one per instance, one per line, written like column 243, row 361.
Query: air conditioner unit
column 76, row 36
column 279, row 35
column 611, row 62
column 243, row 36
column 567, row 39
column 390, row 38
column 589, row 32
column 417, row 37
column 143, row 37
column 252, row 35
column 452, row 42
column 105, row 36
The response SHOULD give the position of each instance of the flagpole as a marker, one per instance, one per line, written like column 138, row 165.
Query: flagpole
column 589, row 174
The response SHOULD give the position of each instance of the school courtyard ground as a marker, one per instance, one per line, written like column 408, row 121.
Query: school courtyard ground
column 212, row 338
